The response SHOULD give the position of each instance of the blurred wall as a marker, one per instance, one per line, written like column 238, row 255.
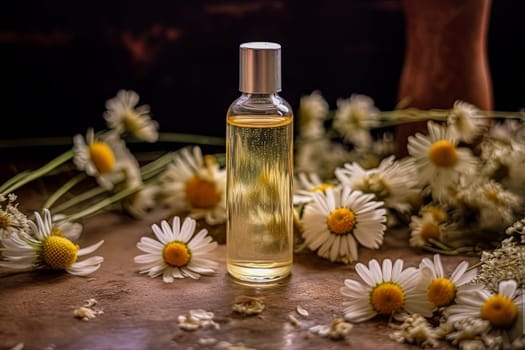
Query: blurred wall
column 61, row 60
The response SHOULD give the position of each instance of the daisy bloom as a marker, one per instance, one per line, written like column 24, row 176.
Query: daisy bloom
column 384, row 145
column 106, row 158
column 306, row 184
column 504, row 309
column 441, row 290
column 387, row 290
column 354, row 118
column 437, row 211
column 313, row 109
column 67, row 229
column 12, row 220
column 47, row 248
column 467, row 121
column 196, row 185
column 138, row 204
column 505, row 130
column 340, row 218
column 123, row 116
column 393, row 182
column 320, row 156
column 426, row 227
column 177, row 252
column 439, row 162
column 496, row 205
column 515, row 180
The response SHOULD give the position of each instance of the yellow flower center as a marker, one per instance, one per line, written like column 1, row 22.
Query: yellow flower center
column 493, row 196
column 58, row 252
column 387, row 298
column 56, row 232
column 202, row 193
column 500, row 311
column 341, row 221
column 430, row 230
column 321, row 187
column 102, row 157
column 177, row 254
column 375, row 184
column 441, row 292
column 443, row 153
column 438, row 214
column 4, row 221
column 131, row 122
column 357, row 116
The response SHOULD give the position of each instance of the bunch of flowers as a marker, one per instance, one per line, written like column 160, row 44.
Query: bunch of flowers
column 101, row 173
column 457, row 190
column 425, row 305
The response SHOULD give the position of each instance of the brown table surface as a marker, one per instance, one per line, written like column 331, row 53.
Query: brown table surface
column 141, row 312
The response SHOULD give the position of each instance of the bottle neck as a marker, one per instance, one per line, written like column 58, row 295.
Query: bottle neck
column 257, row 103
column 258, row 95
column 273, row 98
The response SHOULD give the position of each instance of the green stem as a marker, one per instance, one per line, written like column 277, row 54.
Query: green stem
column 14, row 179
column 476, row 265
column 191, row 139
column 153, row 168
column 457, row 251
column 439, row 244
column 35, row 174
column 148, row 171
column 79, row 198
column 102, row 204
column 64, row 189
column 401, row 116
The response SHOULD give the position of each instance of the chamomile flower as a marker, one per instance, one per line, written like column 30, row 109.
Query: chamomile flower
column 467, row 121
column 515, row 181
column 141, row 202
column 354, row 118
column 177, row 252
column 424, row 228
column 384, row 145
column 313, row 109
column 387, row 290
column 67, row 229
column 504, row 309
column 196, row 185
column 123, row 116
column 306, row 184
column 442, row 290
column 339, row 219
column 496, row 205
column 12, row 220
column 106, row 158
column 393, row 182
column 47, row 248
column 320, row 156
column 439, row 161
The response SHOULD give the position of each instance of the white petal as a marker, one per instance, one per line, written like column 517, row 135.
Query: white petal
column 90, row 249
column 387, row 270
column 507, row 288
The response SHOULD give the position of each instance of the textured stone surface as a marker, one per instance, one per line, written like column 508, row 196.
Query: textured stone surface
column 141, row 313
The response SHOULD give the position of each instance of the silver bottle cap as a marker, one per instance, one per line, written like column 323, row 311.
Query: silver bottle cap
column 260, row 68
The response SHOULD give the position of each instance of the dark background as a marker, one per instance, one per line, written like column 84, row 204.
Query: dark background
column 61, row 60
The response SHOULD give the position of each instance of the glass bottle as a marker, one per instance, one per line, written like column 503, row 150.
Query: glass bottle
column 259, row 166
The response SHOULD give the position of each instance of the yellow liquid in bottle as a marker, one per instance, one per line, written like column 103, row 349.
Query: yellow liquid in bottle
column 259, row 197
